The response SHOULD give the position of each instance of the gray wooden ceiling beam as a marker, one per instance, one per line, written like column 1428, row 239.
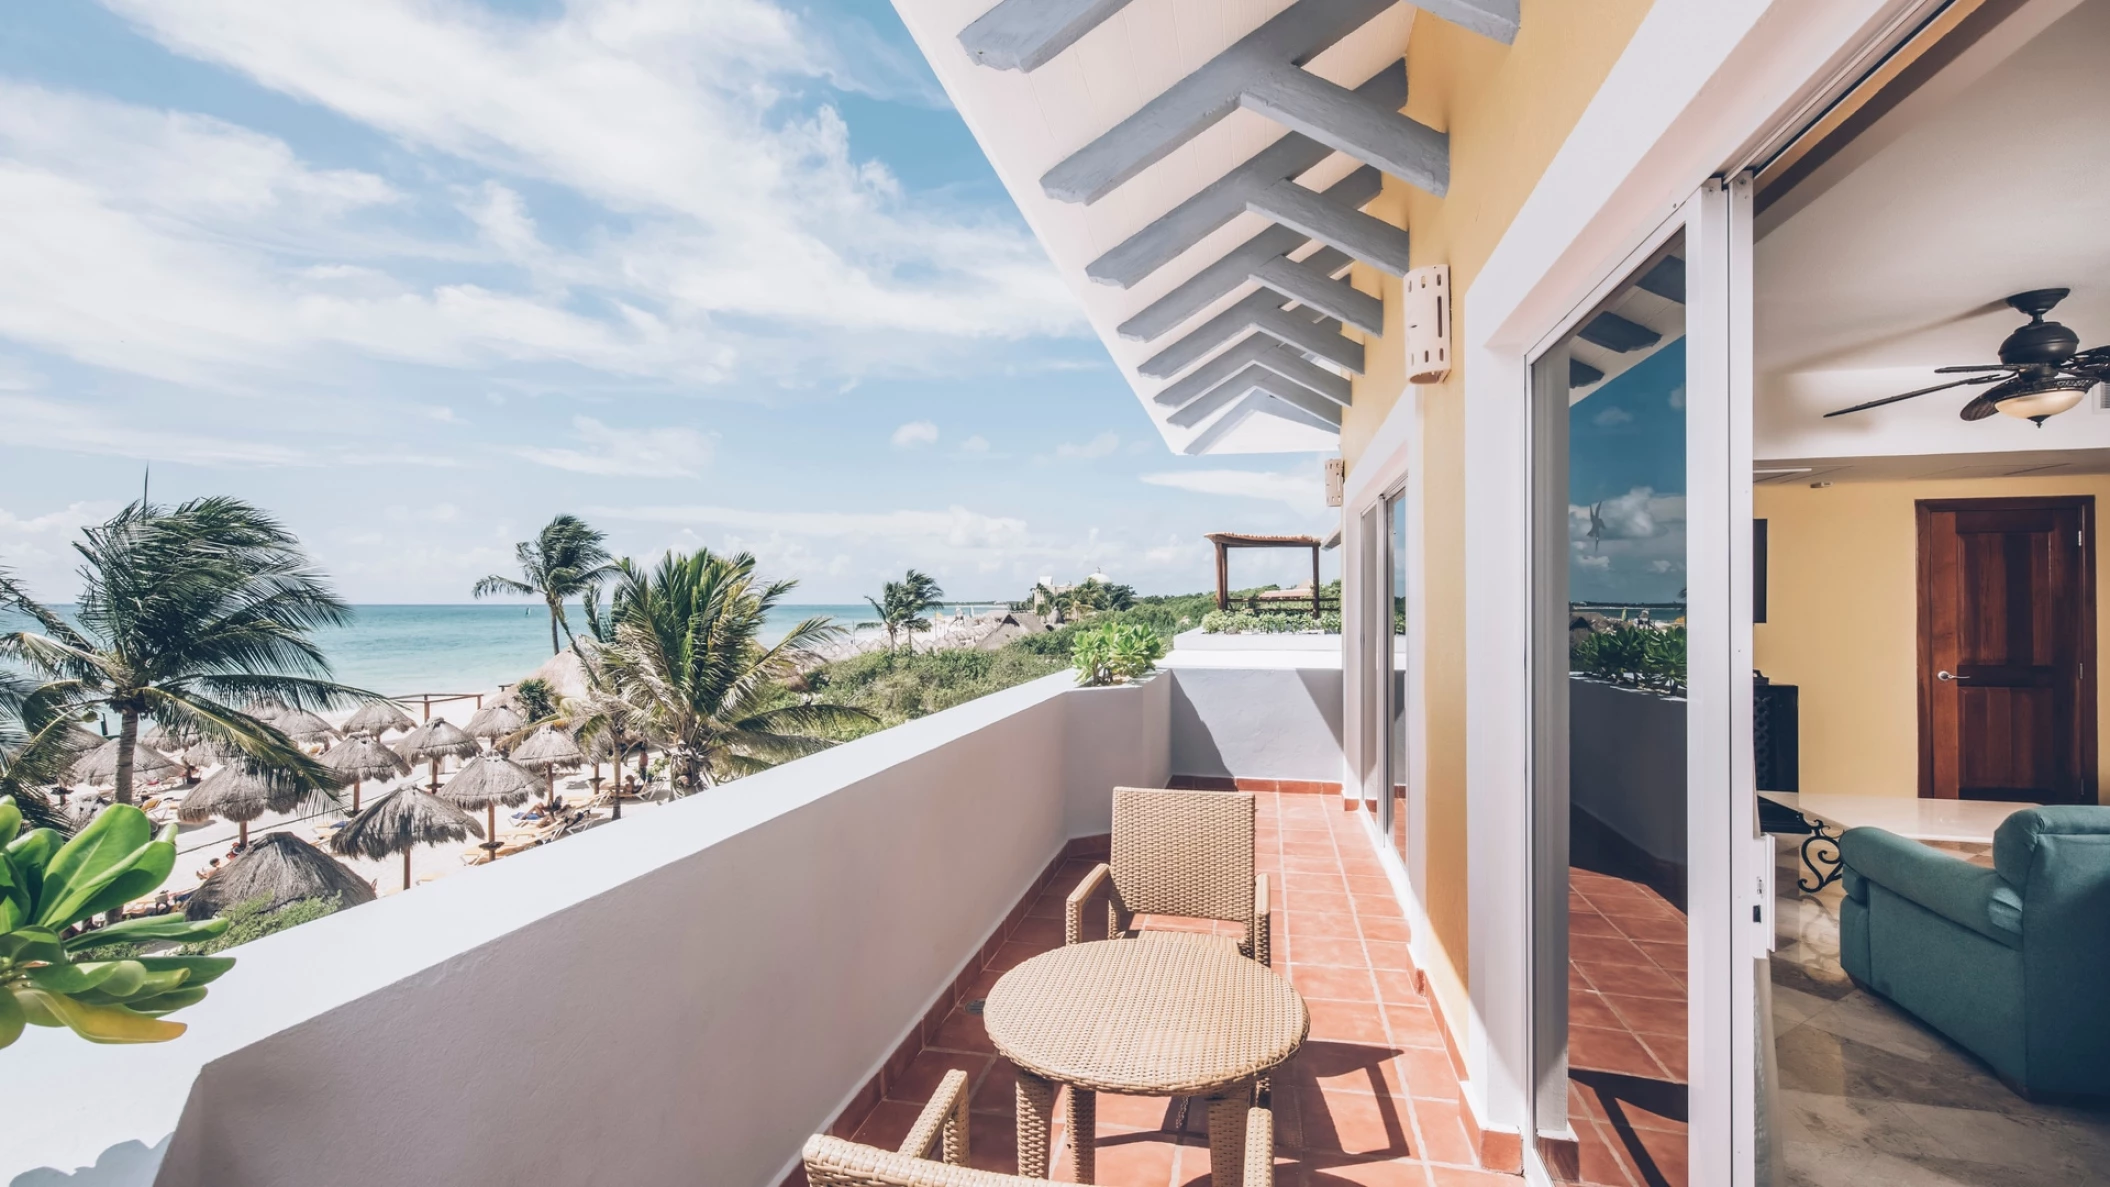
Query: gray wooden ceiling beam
column 1255, row 403
column 1311, row 284
column 1226, row 198
column 1263, row 71
column 1497, row 19
column 1027, row 34
column 1254, row 377
column 1263, row 311
column 1369, row 239
column 1244, row 262
column 1266, row 350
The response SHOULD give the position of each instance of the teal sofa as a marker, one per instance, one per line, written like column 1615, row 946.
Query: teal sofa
column 2012, row 963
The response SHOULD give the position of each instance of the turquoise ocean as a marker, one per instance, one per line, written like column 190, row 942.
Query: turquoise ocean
column 397, row 650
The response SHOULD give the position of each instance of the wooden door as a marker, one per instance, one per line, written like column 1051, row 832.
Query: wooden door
column 2007, row 633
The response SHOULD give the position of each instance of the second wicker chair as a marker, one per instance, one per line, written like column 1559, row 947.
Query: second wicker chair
column 1183, row 853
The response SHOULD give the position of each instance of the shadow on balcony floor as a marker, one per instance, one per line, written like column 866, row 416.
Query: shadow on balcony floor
column 1371, row 1099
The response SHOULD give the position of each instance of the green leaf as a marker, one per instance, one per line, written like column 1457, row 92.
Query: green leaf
column 31, row 852
column 95, row 857
column 103, row 1024
column 80, row 978
column 119, row 991
column 11, row 1019
column 146, row 875
column 15, row 904
column 174, row 999
column 10, row 820
column 154, row 927
column 31, row 943
column 202, row 970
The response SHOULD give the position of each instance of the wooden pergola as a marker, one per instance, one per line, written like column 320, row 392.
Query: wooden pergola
column 1226, row 541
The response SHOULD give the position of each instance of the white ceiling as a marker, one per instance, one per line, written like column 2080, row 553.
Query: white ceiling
column 1027, row 123
column 1993, row 179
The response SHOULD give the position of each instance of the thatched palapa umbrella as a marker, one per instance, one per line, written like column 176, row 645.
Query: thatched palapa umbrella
column 487, row 781
column 359, row 758
column 401, row 821
column 237, row 792
column 547, row 750
column 281, row 869
column 268, row 709
column 99, row 766
column 496, row 721
column 377, row 718
column 304, row 727
column 435, row 740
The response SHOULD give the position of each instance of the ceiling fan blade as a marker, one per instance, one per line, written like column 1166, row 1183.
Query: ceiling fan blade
column 1939, row 387
column 1981, row 406
column 1973, row 367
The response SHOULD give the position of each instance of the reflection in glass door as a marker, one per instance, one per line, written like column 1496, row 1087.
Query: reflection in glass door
column 1393, row 817
column 1610, row 724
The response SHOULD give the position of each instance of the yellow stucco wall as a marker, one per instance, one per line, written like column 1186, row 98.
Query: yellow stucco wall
column 1842, row 620
column 1507, row 109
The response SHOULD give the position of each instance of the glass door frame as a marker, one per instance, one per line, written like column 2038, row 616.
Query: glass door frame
column 1729, row 861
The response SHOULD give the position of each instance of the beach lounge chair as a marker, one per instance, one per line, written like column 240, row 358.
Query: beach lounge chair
column 833, row 1162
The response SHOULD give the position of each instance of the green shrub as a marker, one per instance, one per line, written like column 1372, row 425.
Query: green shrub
column 538, row 701
column 1116, row 653
column 250, row 921
column 1247, row 622
column 1635, row 654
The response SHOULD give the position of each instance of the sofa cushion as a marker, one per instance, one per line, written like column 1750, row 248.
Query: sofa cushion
column 1944, row 884
column 2015, row 843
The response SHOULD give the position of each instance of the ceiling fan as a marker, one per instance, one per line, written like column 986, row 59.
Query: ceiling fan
column 2042, row 370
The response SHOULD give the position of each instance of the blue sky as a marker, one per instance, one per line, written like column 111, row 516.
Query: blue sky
column 1626, row 457
column 419, row 275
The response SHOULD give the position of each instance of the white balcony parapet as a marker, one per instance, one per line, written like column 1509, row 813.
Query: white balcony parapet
column 681, row 997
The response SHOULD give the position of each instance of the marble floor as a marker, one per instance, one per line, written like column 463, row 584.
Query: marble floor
column 1868, row 1097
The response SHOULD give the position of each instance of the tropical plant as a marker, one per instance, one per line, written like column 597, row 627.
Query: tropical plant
column 538, row 701
column 687, row 661
column 1082, row 600
column 47, row 887
column 37, row 744
column 1248, row 622
column 563, row 561
column 901, row 604
column 1116, row 653
column 1639, row 655
column 182, row 610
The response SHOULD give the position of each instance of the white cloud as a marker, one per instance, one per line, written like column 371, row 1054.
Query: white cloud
column 723, row 192
column 975, row 444
column 955, row 526
column 46, row 424
column 1099, row 446
column 1611, row 416
column 672, row 452
column 914, row 434
column 1302, row 491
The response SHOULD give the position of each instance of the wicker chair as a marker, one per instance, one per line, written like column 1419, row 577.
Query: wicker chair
column 833, row 1162
column 1186, row 853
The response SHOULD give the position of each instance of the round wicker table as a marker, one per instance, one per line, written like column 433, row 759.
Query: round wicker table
column 1162, row 1015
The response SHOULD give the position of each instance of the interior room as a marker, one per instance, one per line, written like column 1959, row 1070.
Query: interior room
column 1933, row 448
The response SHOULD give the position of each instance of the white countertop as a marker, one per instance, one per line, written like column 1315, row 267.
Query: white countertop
column 1969, row 821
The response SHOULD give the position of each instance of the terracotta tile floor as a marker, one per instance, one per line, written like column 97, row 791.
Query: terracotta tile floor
column 1626, row 1032
column 1370, row 1100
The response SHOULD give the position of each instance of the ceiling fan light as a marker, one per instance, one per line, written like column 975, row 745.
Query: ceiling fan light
column 2045, row 398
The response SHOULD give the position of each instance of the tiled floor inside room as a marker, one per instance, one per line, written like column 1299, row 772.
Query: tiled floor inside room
column 1371, row 1099
column 1868, row 1097
column 1626, row 1032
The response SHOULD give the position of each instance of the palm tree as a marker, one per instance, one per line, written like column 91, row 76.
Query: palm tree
column 901, row 604
column 687, row 660
column 37, row 744
column 563, row 561
column 601, row 719
column 183, row 612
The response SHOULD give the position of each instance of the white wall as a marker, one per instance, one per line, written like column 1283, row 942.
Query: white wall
column 681, row 998
column 1257, row 714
